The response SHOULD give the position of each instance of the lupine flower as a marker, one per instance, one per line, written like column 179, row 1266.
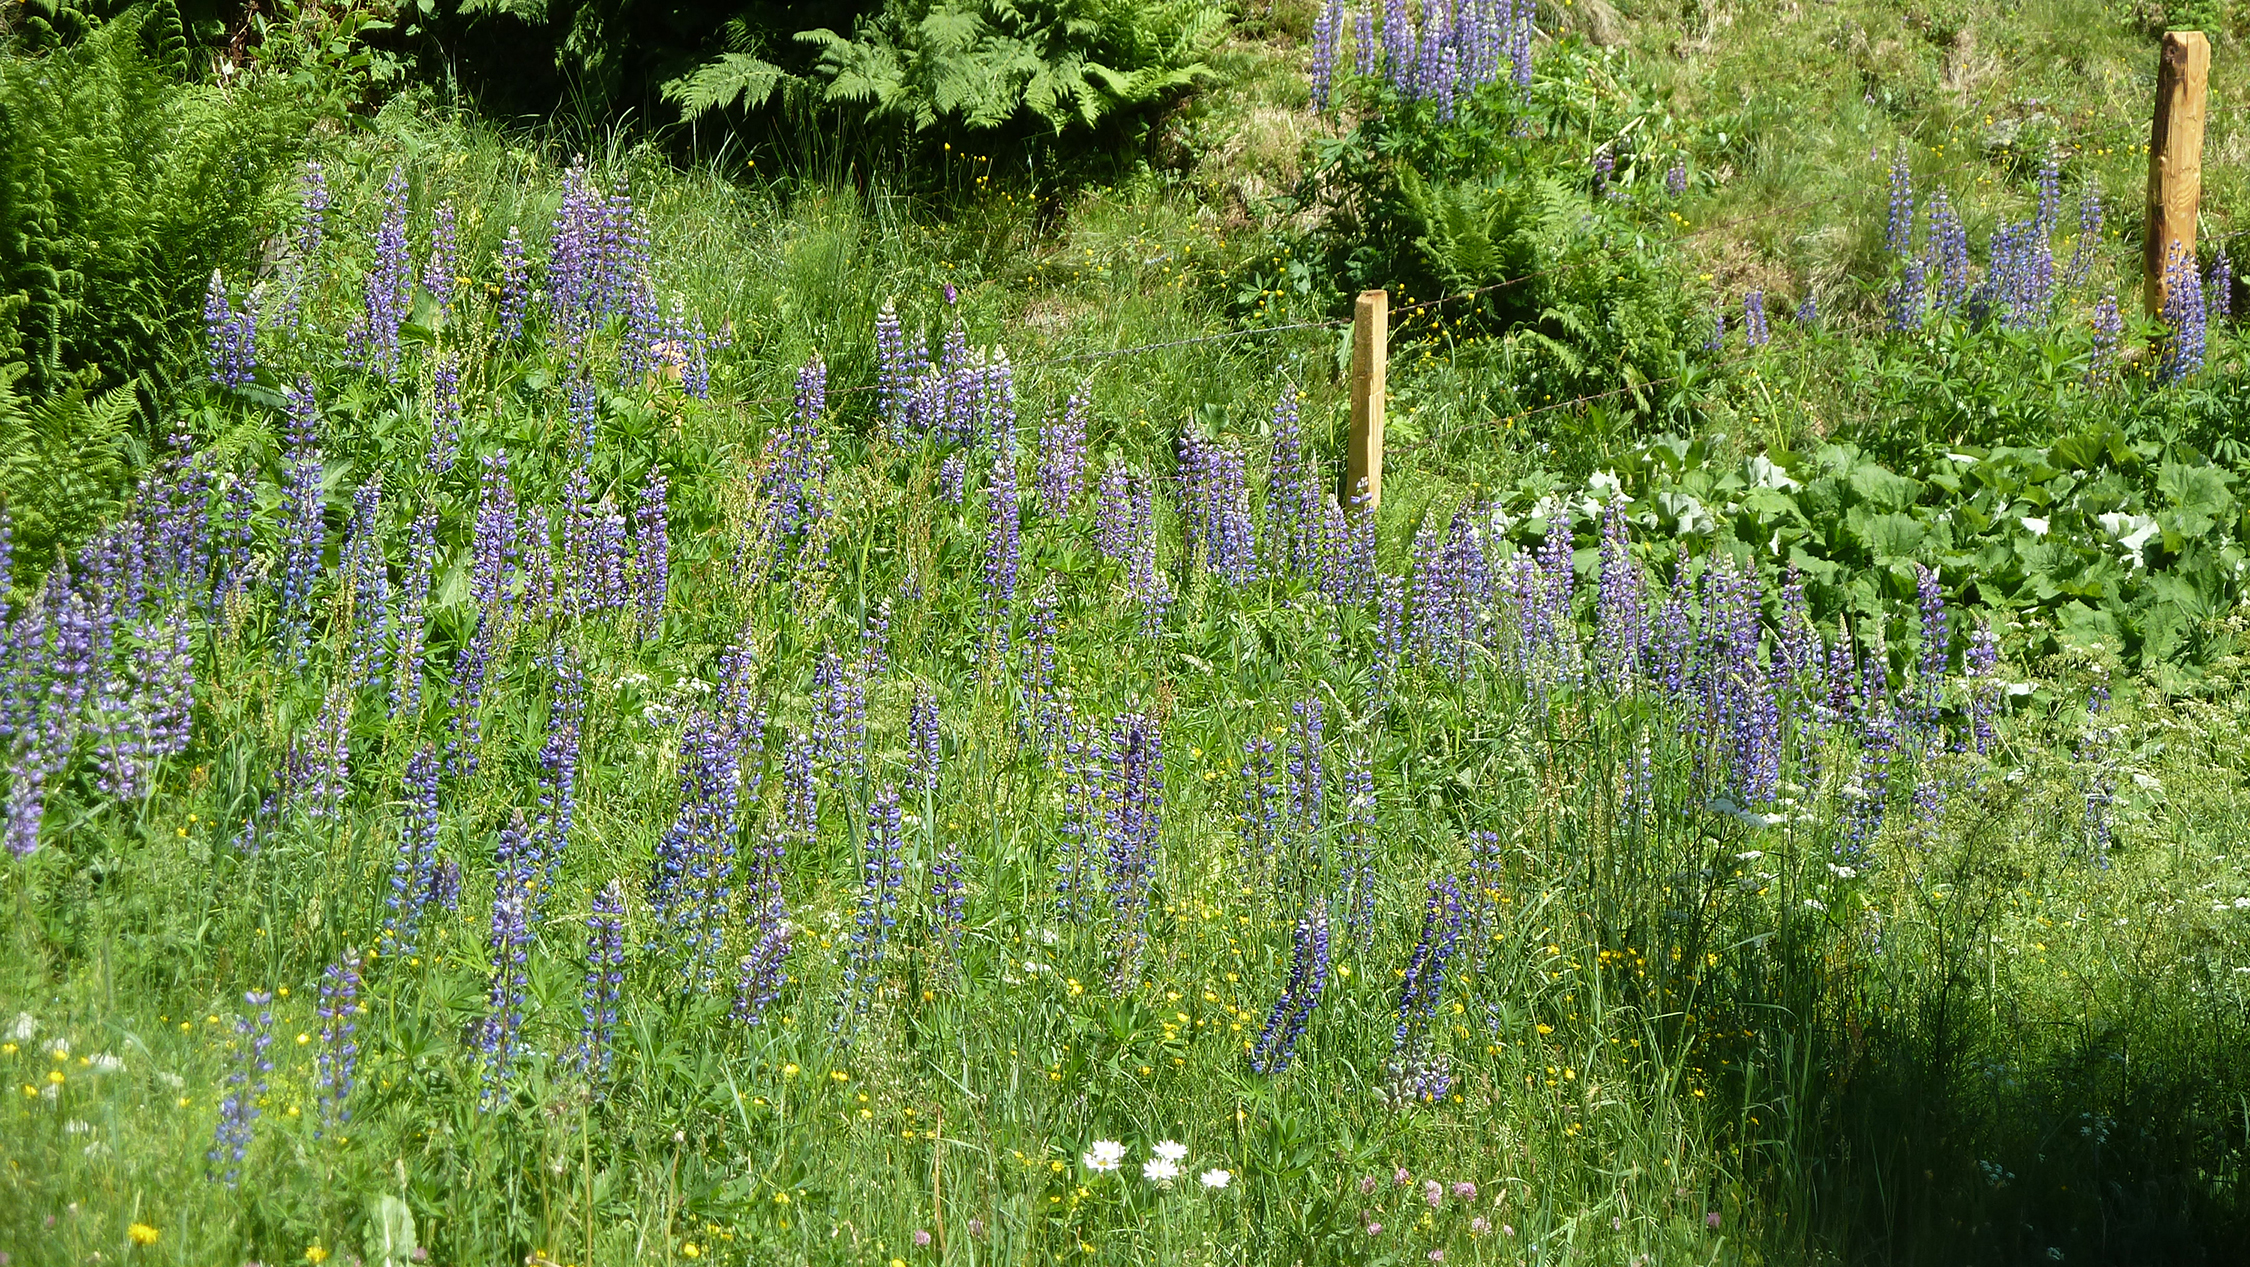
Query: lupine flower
column 948, row 893
column 1308, row 976
column 1113, row 537
column 1216, row 494
column 1946, row 255
column 1433, row 624
column 605, row 980
column 2185, row 314
column 1675, row 178
column 2218, row 287
column 2088, row 245
column 240, row 499
column 1398, row 45
column 414, row 872
column 445, row 410
column 764, row 970
column 507, row 948
column 1293, row 496
column 922, row 744
column 1621, row 613
column 248, row 1066
column 691, row 887
column 390, row 286
column 1982, row 662
column 302, row 534
column 1898, row 232
column 2109, row 328
column 1062, row 455
column 327, row 777
column 1424, row 982
column 1326, row 25
column 1878, row 742
column 1519, row 27
column 882, row 876
column 339, row 1043
column 797, row 461
column 1754, row 319
column 367, row 584
column 839, row 714
column 413, row 598
column 1364, row 47
column 515, row 285
column 1134, row 812
column 230, row 334
column 651, row 554
column 896, row 369
column 1905, row 298
column 444, row 276
column 1145, row 579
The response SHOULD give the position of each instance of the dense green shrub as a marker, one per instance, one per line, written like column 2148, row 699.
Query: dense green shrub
column 1061, row 68
column 121, row 189
column 1544, row 273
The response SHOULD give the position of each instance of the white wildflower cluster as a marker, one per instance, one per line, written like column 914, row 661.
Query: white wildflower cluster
column 1167, row 1161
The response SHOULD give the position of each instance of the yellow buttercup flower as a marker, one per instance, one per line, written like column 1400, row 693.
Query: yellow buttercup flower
column 141, row 1234
column 315, row 1254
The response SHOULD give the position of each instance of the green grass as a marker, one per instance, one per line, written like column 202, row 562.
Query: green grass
column 1686, row 1037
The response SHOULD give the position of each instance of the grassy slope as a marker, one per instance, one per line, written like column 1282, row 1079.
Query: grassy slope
column 2061, row 976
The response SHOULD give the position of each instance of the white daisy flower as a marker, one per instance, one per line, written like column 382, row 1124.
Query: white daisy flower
column 1171, row 1150
column 1217, row 1178
column 1160, row 1172
column 1105, row 1155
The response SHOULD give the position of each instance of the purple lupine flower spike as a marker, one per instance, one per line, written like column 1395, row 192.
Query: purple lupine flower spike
column 390, row 287
column 248, row 1064
column 231, row 336
column 605, row 981
column 1327, row 24
column 1062, row 456
column 1308, row 976
column 339, row 1009
column 651, row 555
column 882, row 876
column 508, row 947
column 515, row 285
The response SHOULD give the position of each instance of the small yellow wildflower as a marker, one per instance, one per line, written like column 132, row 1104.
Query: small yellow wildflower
column 141, row 1234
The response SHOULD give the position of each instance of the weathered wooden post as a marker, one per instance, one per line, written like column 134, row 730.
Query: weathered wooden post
column 2175, row 161
column 1363, row 465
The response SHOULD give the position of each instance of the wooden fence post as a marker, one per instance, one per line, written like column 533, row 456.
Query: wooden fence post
column 1363, row 465
column 2175, row 160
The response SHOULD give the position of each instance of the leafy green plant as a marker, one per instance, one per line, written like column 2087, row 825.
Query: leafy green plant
column 121, row 189
column 1493, row 214
column 1068, row 63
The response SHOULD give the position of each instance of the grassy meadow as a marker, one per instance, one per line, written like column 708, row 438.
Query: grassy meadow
column 617, row 700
